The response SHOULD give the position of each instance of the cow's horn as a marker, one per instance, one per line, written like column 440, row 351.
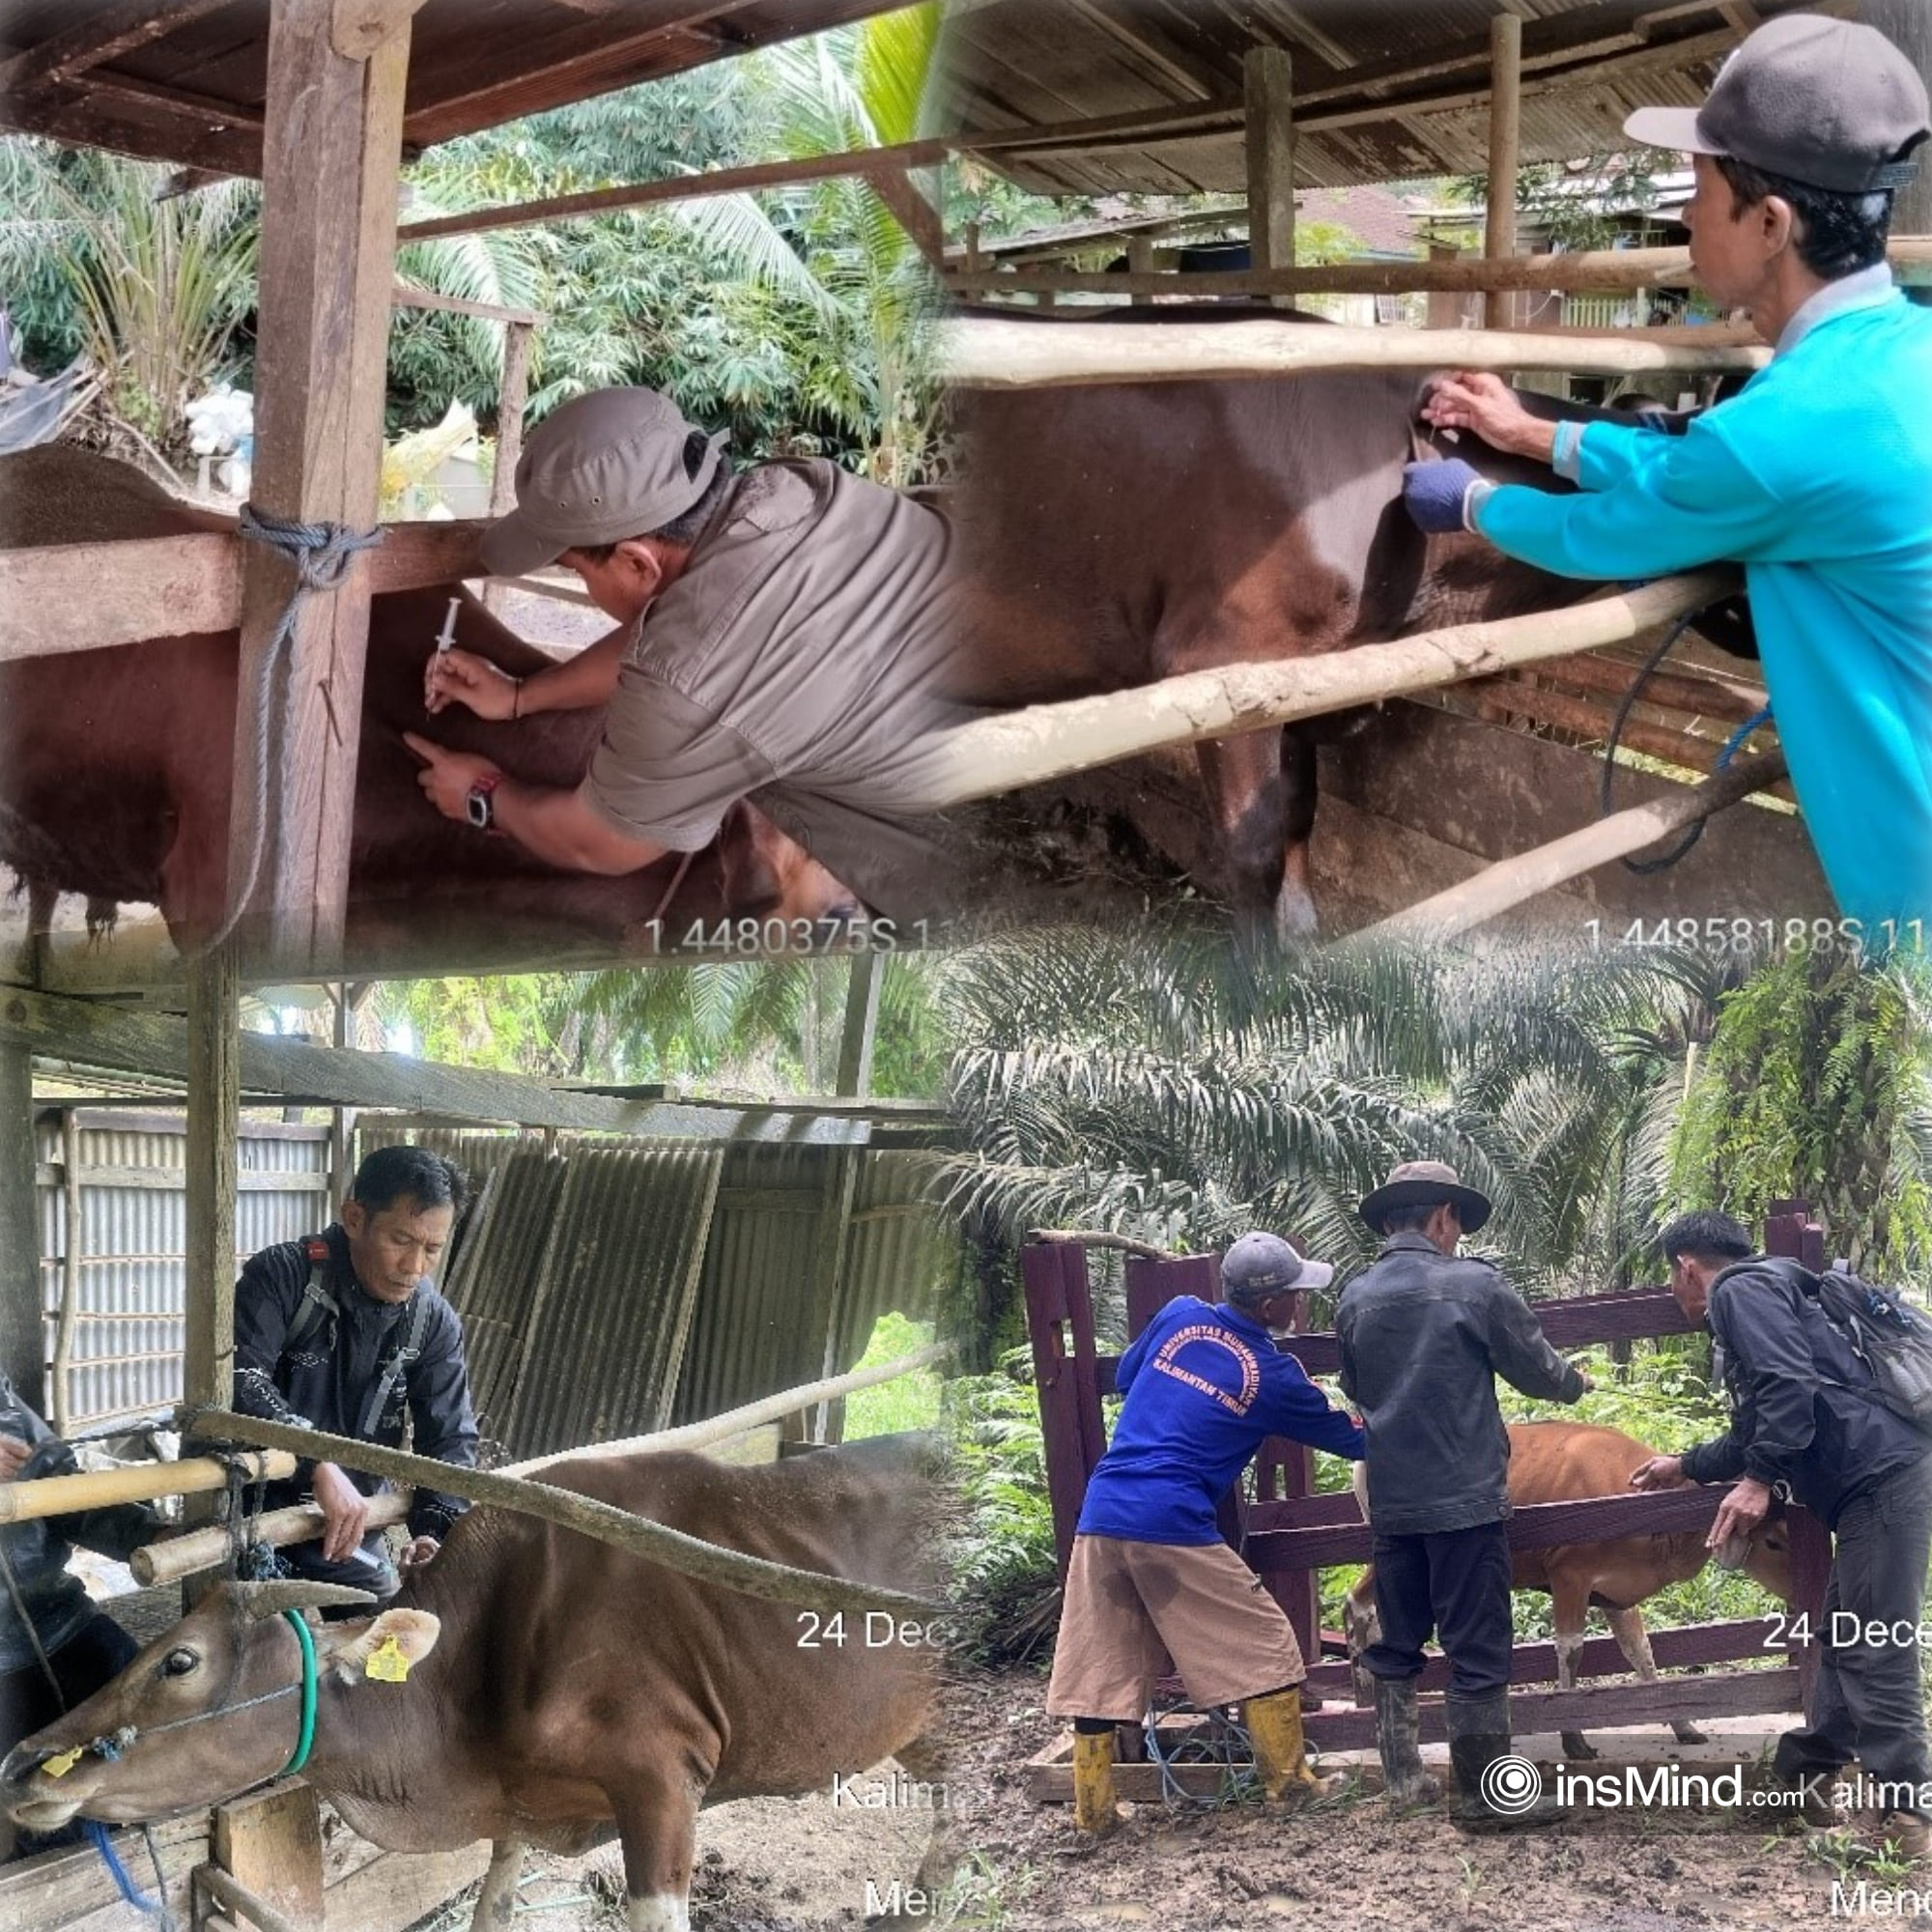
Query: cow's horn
column 268, row 1599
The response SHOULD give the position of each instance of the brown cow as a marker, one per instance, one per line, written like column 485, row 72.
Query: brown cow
column 115, row 771
column 1571, row 1461
column 1117, row 533
column 556, row 1686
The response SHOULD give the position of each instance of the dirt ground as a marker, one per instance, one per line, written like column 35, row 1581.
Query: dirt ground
column 1345, row 1866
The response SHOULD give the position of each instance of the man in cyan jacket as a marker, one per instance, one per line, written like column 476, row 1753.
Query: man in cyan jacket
column 1150, row 1577
column 1424, row 1334
column 1807, row 1424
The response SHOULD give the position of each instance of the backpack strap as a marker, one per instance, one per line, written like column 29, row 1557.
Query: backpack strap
column 316, row 1305
column 396, row 1368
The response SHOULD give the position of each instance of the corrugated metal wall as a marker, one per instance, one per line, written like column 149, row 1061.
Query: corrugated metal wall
column 133, row 1215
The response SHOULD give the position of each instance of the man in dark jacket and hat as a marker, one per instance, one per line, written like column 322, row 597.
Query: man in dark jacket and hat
column 1808, row 1425
column 1424, row 1333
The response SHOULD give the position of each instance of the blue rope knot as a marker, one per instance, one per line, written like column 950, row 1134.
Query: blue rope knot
column 1734, row 743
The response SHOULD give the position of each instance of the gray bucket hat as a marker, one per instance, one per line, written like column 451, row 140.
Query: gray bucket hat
column 1259, row 1265
column 606, row 466
column 1422, row 1183
column 1831, row 103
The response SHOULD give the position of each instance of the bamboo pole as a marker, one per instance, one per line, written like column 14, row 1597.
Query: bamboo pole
column 178, row 1556
column 1499, row 887
column 1049, row 741
column 655, row 1542
column 60, row 1404
column 991, row 352
column 138, row 1482
column 735, row 1421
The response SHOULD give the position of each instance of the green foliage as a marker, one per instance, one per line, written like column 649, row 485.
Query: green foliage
column 1818, row 1083
column 1580, row 204
column 764, row 1025
column 911, row 1401
column 149, row 291
column 1005, row 1587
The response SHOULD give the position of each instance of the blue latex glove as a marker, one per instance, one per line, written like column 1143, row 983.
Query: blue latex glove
column 1436, row 494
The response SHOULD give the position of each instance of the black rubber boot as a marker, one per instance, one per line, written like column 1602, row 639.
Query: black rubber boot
column 1399, row 1739
column 1479, row 1739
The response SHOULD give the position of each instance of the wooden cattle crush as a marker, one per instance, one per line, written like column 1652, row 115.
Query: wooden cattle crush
column 1287, row 1533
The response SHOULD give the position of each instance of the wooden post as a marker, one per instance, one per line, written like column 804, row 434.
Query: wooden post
column 271, row 1844
column 862, row 1021
column 73, row 1244
column 212, row 1159
column 329, row 228
column 22, row 1333
column 1267, row 79
column 1140, row 261
column 1444, row 310
column 1505, row 147
column 1060, row 1325
column 512, row 393
column 1908, row 25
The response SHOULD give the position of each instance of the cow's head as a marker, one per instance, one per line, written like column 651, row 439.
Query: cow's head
column 205, row 1712
column 1763, row 1555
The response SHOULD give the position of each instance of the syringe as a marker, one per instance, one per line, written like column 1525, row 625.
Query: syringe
column 447, row 634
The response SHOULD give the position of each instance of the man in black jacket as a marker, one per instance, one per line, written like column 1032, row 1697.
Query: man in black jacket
column 1424, row 1333
column 1808, row 1425
column 56, row 1648
column 344, row 1331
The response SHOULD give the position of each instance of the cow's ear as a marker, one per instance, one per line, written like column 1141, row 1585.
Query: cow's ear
column 386, row 1647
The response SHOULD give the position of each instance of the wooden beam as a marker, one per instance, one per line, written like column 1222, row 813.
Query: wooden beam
column 912, row 211
column 23, row 1336
column 329, row 228
column 862, row 1021
column 95, row 1034
column 404, row 296
column 512, row 397
column 203, row 109
column 988, row 352
column 1499, row 309
column 84, row 597
column 271, row 1842
column 72, row 1244
column 1612, row 268
column 681, row 188
column 1048, row 741
column 107, row 33
column 1267, row 77
column 1490, row 893
column 128, row 126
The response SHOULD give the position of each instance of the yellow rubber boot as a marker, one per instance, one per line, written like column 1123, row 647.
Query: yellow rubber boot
column 1274, row 1728
column 1095, row 1809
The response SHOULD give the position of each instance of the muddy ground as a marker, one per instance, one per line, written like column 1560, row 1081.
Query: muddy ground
column 1344, row 1867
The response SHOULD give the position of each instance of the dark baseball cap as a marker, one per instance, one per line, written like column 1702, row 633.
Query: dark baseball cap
column 606, row 466
column 1259, row 1265
column 1830, row 103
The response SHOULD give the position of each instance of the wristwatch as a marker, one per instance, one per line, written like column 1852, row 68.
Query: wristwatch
column 482, row 811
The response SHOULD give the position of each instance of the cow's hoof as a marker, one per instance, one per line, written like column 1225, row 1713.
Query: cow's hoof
column 1577, row 1746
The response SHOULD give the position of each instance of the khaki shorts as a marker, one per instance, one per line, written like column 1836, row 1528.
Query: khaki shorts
column 1130, row 1608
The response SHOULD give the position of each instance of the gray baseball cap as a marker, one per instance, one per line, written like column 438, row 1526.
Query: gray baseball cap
column 1830, row 103
column 606, row 466
column 1259, row 1265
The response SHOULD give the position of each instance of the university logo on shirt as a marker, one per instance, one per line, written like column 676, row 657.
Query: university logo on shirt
column 1236, row 1403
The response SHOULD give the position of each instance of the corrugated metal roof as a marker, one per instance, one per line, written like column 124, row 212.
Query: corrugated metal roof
column 1587, row 63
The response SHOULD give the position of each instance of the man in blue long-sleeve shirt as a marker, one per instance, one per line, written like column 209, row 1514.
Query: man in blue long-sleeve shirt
column 1150, row 1577
column 1817, row 477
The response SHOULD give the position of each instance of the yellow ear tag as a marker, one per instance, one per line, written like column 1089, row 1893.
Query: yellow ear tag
column 386, row 1662
column 58, row 1767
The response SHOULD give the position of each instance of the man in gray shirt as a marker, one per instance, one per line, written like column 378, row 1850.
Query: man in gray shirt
column 782, row 638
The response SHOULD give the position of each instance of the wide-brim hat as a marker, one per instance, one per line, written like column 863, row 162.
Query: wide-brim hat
column 1422, row 1183
column 606, row 467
